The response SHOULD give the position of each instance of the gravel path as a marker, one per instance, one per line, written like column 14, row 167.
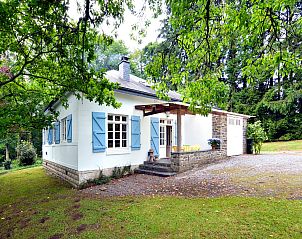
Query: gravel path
column 274, row 175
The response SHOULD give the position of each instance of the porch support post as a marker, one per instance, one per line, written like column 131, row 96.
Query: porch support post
column 179, row 137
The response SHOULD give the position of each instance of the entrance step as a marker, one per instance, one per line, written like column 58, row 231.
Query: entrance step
column 157, row 173
column 161, row 167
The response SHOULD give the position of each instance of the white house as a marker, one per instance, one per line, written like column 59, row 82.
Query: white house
column 89, row 138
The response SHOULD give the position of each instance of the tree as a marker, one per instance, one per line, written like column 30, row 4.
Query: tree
column 45, row 54
column 239, row 43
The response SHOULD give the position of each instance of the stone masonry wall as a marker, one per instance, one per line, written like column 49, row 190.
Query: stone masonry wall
column 219, row 130
column 65, row 173
column 184, row 161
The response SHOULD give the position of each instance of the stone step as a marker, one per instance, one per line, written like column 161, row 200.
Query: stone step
column 157, row 173
column 155, row 167
column 163, row 164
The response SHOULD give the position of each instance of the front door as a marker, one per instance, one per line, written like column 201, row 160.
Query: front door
column 168, row 140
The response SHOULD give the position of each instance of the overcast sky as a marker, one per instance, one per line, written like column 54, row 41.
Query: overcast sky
column 125, row 30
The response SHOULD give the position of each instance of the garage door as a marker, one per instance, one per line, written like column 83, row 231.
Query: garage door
column 234, row 136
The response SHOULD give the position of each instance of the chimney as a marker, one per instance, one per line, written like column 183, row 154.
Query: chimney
column 124, row 68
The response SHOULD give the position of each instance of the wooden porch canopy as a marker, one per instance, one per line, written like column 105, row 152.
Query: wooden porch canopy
column 172, row 107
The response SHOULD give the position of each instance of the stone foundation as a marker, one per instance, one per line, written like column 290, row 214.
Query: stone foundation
column 184, row 161
column 74, row 177
column 68, row 174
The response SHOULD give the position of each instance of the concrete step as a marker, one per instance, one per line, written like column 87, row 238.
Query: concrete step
column 155, row 167
column 157, row 173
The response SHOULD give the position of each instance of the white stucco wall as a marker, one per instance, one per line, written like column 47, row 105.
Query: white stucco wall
column 197, row 129
column 64, row 153
column 113, row 158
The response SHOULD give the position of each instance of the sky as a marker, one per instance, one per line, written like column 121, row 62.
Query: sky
column 125, row 30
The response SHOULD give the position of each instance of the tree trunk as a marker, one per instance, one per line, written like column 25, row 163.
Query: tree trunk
column 6, row 152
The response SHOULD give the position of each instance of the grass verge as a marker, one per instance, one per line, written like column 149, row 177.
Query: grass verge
column 33, row 205
column 295, row 145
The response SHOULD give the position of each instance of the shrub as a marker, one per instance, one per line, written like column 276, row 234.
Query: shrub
column 7, row 165
column 26, row 153
column 257, row 134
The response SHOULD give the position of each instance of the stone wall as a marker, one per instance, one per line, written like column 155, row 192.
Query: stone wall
column 74, row 177
column 219, row 129
column 65, row 173
column 184, row 161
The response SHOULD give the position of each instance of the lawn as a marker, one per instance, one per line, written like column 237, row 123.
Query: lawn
column 34, row 205
column 295, row 145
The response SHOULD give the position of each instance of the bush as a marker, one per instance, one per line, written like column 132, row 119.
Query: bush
column 257, row 134
column 26, row 153
column 7, row 165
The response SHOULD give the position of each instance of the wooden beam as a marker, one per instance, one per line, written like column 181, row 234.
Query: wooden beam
column 179, row 136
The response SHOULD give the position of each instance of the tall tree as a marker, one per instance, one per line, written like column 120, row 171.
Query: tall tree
column 44, row 54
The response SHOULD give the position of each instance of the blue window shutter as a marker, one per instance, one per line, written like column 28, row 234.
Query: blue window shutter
column 50, row 135
column 175, row 132
column 98, row 132
column 135, row 132
column 69, row 128
column 57, row 132
column 155, row 135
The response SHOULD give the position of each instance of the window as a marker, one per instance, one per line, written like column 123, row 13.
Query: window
column 237, row 121
column 117, row 131
column 231, row 121
column 162, row 135
column 64, row 130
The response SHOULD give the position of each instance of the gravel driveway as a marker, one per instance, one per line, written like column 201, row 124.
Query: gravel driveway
column 273, row 175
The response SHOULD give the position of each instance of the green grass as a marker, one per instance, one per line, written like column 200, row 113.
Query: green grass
column 33, row 205
column 15, row 166
column 295, row 145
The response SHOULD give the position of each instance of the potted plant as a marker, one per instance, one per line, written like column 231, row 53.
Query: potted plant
column 215, row 143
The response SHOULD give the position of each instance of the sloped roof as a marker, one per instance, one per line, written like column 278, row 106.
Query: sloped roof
column 136, row 84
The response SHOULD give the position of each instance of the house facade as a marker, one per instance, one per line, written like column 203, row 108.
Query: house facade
column 89, row 138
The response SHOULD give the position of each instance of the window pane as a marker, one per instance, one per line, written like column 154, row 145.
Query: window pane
column 124, row 127
column 124, row 118
column 110, row 135
column 117, row 143
column 110, row 143
column 117, row 118
column 117, row 127
column 117, row 135
column 124, row 143
column 124, row 135
column 110, row 117
column 110, row 127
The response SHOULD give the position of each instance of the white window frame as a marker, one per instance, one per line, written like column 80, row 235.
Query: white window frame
column 162, row 135
column 63, row 129
column 120, row 122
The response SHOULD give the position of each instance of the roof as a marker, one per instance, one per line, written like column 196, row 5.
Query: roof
column 182, row 108
column 136, row 85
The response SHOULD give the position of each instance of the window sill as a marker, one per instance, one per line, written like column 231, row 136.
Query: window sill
column 111, row 151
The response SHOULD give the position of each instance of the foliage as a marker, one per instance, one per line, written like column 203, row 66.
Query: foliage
column 214, row 142
column 26, row 153
column 257, row 134
column 7, row 164
column 44, row 54
column 253, row 47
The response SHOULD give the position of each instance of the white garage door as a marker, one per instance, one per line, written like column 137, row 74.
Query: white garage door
column 235, row 136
